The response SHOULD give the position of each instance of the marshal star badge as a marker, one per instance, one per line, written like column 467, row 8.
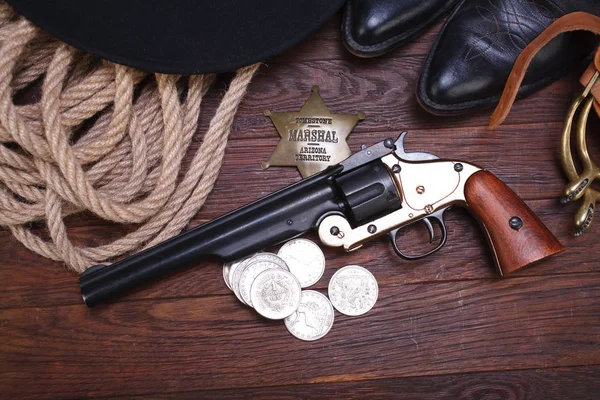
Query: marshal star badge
column 313, row 138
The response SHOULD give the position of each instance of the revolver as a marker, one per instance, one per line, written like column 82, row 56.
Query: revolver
column 377, row 191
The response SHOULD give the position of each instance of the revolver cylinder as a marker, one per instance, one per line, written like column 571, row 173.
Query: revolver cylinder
column 369, row 192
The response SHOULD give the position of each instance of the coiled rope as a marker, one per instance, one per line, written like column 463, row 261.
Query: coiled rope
column 101, row 138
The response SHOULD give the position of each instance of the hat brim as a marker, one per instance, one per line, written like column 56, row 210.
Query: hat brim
column 181, row 36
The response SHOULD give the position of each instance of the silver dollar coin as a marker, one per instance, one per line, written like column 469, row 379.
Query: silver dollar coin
column 305, row 260
column 233, row 267
column 275, row 294
column 237, row 274
column 227, row 267
column 353, row 290
column 314, row 317
column 250, row 273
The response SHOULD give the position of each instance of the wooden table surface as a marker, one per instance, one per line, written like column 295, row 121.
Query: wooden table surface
column 446, row 326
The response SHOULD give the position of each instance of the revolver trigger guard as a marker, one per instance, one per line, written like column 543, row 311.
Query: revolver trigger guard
column 439, row 216
column 392, row 234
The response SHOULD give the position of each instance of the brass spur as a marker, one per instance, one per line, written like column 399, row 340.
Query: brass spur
column 580, row 185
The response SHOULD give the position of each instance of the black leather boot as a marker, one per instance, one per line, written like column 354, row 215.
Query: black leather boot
column 373, row 27
column 472, row 56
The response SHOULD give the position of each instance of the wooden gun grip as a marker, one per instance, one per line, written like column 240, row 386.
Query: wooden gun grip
column 517, row 236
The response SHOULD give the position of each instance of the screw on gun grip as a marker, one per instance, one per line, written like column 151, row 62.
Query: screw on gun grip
column 515, row 223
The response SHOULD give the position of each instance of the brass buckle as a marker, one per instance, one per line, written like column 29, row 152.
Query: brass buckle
column 579, row 186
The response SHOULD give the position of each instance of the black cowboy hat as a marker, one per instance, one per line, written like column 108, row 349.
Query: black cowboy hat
column 179, row 36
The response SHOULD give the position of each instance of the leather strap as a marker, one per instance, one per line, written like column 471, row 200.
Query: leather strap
column 588, row 76
column 577, row 21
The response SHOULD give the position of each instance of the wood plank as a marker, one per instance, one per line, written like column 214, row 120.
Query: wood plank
column 215, row 343
column 383, row 88
column 582, row 383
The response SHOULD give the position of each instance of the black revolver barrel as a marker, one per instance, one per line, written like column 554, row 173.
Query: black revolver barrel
column 363, row 192
column 270, row 220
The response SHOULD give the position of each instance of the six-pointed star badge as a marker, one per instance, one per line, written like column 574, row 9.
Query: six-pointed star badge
column 313, row 138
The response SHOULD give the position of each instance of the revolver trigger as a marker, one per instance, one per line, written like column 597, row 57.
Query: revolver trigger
column 439, row 217
column 429, row 228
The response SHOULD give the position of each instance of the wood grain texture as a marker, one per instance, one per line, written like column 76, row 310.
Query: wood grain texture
column 559, row 383
column 215, row 343
column 514, row 244
column 446, row 326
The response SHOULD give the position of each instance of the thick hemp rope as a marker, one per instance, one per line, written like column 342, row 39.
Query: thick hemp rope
column 101, row 138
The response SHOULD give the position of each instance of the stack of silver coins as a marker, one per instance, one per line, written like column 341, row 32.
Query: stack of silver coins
column 272, row 285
